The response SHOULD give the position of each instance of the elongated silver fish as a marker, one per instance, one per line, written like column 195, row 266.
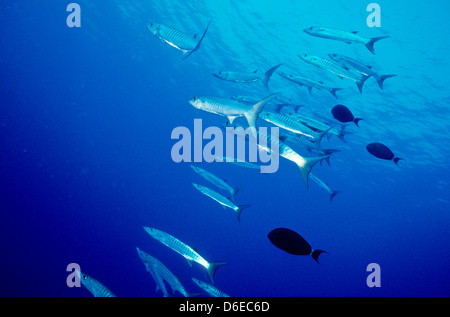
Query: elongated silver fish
column 246, row 77
column 188, row 44
column 184, row 250
column 216, row 181
column 289, row 123
column 211, row 290
column 95, row 287
column 304, row 163
column 164, row 274
column 147, row 260
column 344, row 36
column 225, row 202
column 335, row 68
column 232, row 108
column 310, row 84
column 324, row 186
column 365, row 70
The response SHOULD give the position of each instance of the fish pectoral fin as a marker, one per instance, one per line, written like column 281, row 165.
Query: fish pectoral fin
column 231, row 119
column 355, row 32
column 189, row 262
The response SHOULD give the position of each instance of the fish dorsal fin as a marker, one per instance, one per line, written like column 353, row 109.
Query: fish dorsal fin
column 355, row 32
column 255, row 71
column 369, row 67
column 321, row 82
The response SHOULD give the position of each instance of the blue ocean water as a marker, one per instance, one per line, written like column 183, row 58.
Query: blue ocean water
column 85, row 125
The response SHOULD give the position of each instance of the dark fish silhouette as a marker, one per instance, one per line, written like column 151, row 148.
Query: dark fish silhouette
column 343, row 114
column 293, row 243
column 382, row 151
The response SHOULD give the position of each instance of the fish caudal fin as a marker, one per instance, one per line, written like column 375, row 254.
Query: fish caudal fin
column 239, row 210
column 267, row 75
column 382, row 78
column 315, row 254
column 333, row 194
column 213, row 266
column 307, row 165
column 361, row 82
column 252, row 114
column 334, row 90
column 356, row 121
column 198, row 43
column 396, row 159
column 372, row 41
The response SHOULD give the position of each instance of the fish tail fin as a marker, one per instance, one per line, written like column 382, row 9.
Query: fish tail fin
column 234, row 191
column 333, row 194
column 318, row 139
column 198, row 43
column 396, row 159
column 315, row 254
column 382, row 78
column 213, row 266
column 253, row 113
column 361, row 82
column 334, row 90
column 239, row 210
column 372, row 41
column 267, row 76
column 307, row 165
column 356, row 121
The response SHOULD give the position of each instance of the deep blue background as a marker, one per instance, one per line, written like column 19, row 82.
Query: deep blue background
column 85, row 123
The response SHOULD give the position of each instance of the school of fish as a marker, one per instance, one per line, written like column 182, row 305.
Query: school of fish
column 297, row 130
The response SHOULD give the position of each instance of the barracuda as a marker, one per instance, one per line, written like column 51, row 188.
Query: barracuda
column 304, row 163
column 324, row 186
column 365, row 70
column 225, row 202
column 184, row 250
column 95, row 287
column 147, row 260
column 188, row 44
column 232, row 108
column 344, row 36
column 303, row 81
column 216, row 181
column 335, row 68
column 163, row 274
column 211, row 290
column 245, row 77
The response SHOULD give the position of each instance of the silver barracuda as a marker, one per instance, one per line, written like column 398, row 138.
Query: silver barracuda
column 324, row 186
column 184, row 250
column 95, row 287
column 216, row 181
column 344, row 36
column 304, row 163
column 310, row 84
column 335, row 68
column 232, row 108
column 147, row 260
column 247, row 77
column 361, row 68
column 164, row 274
column 287, row 122
column 225, row 202
column 188, row 44
column 211, row 290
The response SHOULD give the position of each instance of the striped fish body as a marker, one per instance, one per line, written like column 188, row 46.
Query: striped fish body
column 95, row 287
column 210, row 289
column 165, row 274
column 238, row 77
column 215, row 180
column 173, row 37
column 183, row 249
column 303, row 81
column 221, row 106
column 331, row 66
column 287, row 123
column 353, row 64
column 147, row 260
column 336, row 34
column 216, row 196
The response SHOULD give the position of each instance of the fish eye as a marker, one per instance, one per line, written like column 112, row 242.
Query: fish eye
column 195, row 98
